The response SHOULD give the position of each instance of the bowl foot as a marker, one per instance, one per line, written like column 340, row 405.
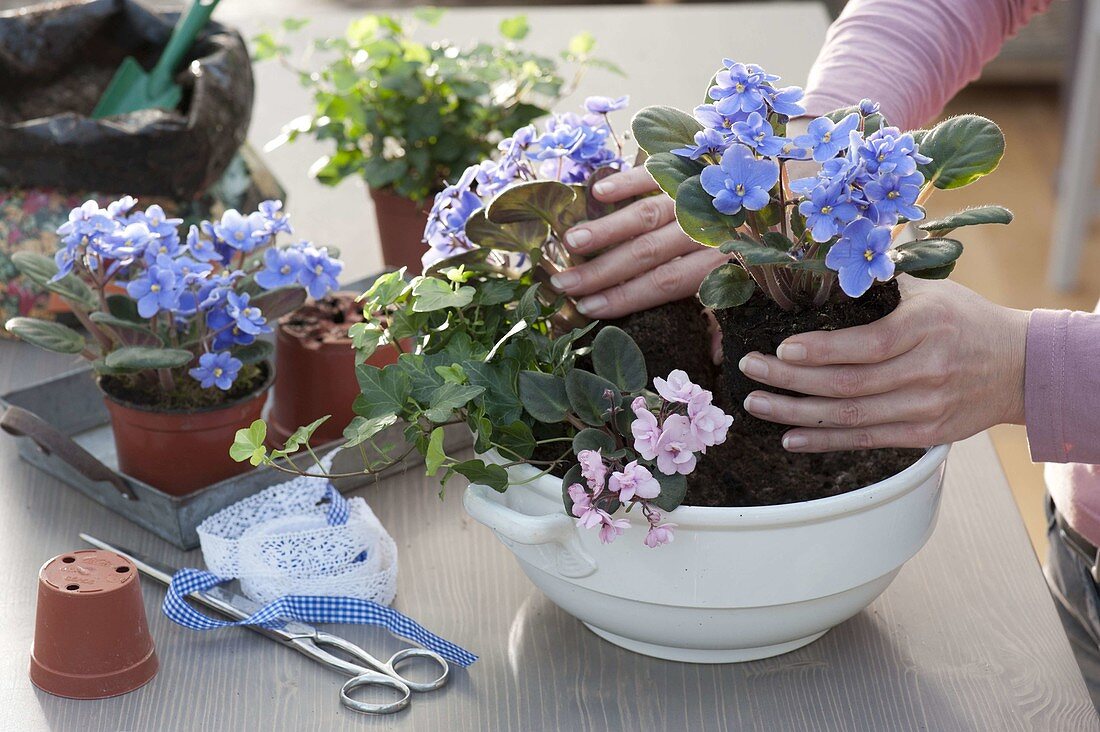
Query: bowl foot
column 697, row 655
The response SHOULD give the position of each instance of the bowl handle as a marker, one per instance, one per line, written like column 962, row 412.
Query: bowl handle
column 549, row 541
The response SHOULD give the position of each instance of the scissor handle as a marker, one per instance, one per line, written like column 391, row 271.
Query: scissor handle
column 372, row 678
column 407, row 653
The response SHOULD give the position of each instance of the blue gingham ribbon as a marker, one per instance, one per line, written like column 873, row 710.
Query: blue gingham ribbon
column 306, row 609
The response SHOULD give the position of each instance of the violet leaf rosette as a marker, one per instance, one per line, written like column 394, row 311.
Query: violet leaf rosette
column 830, row 234
column 177, row 318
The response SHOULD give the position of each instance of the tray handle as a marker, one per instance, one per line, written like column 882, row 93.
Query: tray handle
column 21, row 423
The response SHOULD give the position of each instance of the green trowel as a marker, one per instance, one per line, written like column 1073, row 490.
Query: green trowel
column 134, row 88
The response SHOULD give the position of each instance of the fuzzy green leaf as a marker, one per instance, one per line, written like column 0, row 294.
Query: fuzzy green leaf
column 660, row 129
column 753, row 253
column 47, row 334
column 521, row 236
column 963, row 149
column 279, row 302
column 925, row 254
column 590, row 396
column 139, row 358
column 573, row 475
column 591, row 438
column 41, row 269
column 539, row 200
column 727, row 286
column 669, row 170
column 254, row 352
column 543, row 396
column 969, row 217
column 128, row 332
column 673, row 490
column 617, row 358
column 697, row 217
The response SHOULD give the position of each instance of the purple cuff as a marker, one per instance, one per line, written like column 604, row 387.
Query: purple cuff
column 1062, row 386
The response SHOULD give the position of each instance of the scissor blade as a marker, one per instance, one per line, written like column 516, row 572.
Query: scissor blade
column 160, row 572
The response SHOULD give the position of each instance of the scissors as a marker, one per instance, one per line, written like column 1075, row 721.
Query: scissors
column 365, row 669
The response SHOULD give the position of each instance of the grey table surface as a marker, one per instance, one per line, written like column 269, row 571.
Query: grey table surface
column 966, row 637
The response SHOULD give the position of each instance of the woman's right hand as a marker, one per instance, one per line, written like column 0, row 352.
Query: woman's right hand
column 640, row 257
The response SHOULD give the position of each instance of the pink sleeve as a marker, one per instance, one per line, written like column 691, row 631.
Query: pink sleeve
column 911, row 56
column 1062, row 386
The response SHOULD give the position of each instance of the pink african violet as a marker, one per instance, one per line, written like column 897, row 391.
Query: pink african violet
column 593, row 469
column 592, row 517
column 659, row 535
column 677, row 388
column 581, row 501
column 645, row 430
column 612, row 529
column 634, row 480
column 709, row 424
column 677, row 446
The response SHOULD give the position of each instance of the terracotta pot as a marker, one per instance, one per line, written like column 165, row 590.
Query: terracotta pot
column 180, row 452
column 316, row 378
column 91, row 638
column 401, row 225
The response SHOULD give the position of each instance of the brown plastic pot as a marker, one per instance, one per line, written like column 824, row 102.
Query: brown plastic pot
column 180, row 452
column 91, row 637
column 401, row 225
column 316, row 378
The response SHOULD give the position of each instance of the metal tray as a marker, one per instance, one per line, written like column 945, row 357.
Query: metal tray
column 64, row 429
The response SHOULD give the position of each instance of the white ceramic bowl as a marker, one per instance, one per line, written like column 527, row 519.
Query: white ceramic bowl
column 737, row 584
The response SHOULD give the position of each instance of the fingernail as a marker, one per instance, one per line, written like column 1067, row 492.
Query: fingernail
column 794, row 442
column 753, row 366
column 564, row 280
column 791, row 352
column 603, row 188
column 577, row 238
column 758, row 404
column 589, row 305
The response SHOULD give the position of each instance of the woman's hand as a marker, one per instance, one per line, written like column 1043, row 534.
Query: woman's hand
column 641, row 258
column 945, row 365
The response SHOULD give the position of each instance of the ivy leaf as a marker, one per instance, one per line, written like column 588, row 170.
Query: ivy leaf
column 963, row 149
column 969, row 217
column 47, row 334
column 670, row 170
column 481, row 473
column 727, row 286
column 588, row 396
column 434, row 294
column 660, row 129
column 582, row 44
column 448, row 397
column 248, row 443
column 139, row 358
column 699, row 219
column 925, row 254
column 673, row 490
column 434, row 457
column 501, row 399
column 361, row 429
column 591, row 438
column 383, row 391
column 516, row 438
column 543, row 396
column 300, row 438
column 385, row 290
column 515, row 28
column 617, row 358
column 365, row 338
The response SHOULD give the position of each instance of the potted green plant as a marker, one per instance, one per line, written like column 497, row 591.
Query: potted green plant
column 407, row 116
column 173, row 324
column 578, row 443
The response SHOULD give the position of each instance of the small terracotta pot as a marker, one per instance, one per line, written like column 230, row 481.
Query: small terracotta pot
column 91, row 638
column 401, row 225
column 316, row 378
column 180, row 452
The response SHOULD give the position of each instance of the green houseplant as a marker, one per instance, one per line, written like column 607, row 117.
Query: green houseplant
column 407, row 116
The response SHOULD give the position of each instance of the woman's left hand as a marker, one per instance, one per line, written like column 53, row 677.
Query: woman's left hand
column 945, row 365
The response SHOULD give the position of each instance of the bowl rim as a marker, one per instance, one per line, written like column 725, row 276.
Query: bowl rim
column 818, row 509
